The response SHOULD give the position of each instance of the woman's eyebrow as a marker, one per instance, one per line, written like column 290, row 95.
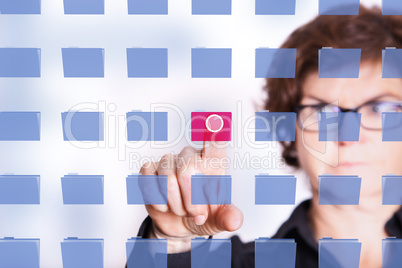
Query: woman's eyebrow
column 315, row 98
column 380, row 96
column 367, row 101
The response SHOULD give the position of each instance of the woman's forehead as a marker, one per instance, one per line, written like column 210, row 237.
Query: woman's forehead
column 369, row 85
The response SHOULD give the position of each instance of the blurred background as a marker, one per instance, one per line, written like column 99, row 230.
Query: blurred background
column 116, row 94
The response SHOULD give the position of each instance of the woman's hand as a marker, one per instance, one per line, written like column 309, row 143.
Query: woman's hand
column 179, row 221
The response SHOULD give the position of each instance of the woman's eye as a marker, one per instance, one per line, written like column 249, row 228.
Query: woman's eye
column 376, row 108
column 328, row 108
column 384, row 107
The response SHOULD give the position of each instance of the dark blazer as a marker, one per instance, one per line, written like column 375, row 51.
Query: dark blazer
column 297, row 227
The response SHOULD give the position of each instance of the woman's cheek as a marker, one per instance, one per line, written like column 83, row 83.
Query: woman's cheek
column 391, row 157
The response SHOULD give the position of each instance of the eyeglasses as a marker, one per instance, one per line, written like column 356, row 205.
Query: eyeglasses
column 308, row 116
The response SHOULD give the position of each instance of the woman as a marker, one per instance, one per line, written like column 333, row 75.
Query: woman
column 370, row 158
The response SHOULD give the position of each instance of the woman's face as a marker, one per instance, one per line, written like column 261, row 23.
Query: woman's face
column 370, row 158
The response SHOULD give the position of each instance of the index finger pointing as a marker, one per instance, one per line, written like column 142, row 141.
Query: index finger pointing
column 218, row 131
column 214, row 158
column 214, row 149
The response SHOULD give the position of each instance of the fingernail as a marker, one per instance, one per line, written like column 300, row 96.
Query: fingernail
column 199, row 220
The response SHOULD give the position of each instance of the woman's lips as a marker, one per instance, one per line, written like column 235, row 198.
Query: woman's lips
column 351, row 164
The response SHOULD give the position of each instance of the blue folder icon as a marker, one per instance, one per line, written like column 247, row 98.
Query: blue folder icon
column 20, row 62
column 147, row 62
column 391, row 189
column 211, row 253
column 339, row 63
column 83, row 62
column 392, row 61
column 391, row 7
column 146, row 189
column 82, row 189
column 391, row 126
column 275, row 62
column 147, row 126
column 20, row 7
column 391, row 252
column 211, row 62
column 211, row 7
column 19, row 126
column 339, row 126
column 274, row 253
column 146, row 253
column 19, row 189
column 273, row 7
column 147, row 7
column 275, row 126
column 83, row 126
column 338, row 253
column 338, row 189
column 211, row 189
column 275, row 189
column 338, row 7
column 82, row 253
column 18, row 252
column 84, row 7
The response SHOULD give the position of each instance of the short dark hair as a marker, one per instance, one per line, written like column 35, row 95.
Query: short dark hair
column 370, row 31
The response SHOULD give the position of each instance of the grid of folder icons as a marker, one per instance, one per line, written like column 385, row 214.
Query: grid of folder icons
column 147, row 62
column 147, row 7
column 273, row 7
column 146, row 252
column 339, row 126
column 275, row 189
column 339, row 7
column 83, row 62
column 391, row 252
column 275, row 63
column 79, row 253
column 147, row 126
column 214, row 253
column 25, row 7
column 339, row 62
column 153, row 126
column 211, row 62
column 20, row 62
column 338, row 252
column 20, row 126
column 19, row 189
column 84, row 7
column 211, row 126
column 206, row 189
column 19, row 252
column 82, row 189
column 275, row 126
column 160, row 7
column 83, row 126
column 273, row 253
column 339, row 189
column 211, row 7
column 392, row 189
column 391, row 126
column 392, row 63
column 211, row 189
column 75, row 62
column 146, row 189
column 391, row 7
column 205, row 62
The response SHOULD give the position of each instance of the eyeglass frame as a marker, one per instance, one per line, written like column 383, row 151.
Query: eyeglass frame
column 299, row 108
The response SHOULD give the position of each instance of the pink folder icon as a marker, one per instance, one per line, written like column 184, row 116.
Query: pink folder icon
column 211, row 126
